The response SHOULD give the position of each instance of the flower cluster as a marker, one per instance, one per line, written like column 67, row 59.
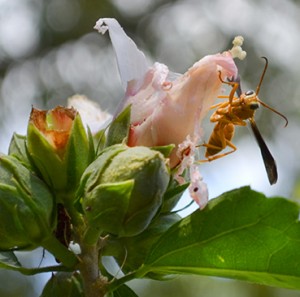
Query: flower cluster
column 120, row 175
column 108, row 184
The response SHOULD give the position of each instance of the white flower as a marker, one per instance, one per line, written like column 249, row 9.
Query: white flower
column 168, row 111
column 90, row 112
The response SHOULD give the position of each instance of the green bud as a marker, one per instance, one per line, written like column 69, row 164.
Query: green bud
column 26, row 207
column 59, row 147
column 122, row 189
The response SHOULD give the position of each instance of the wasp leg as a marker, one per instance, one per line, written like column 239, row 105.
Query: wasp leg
column 215, row 157
column 220, row 104
column 234, row 85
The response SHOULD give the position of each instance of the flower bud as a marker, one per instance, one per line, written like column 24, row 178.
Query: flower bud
column 26, row 207
column 58, row 146
column 123, row 189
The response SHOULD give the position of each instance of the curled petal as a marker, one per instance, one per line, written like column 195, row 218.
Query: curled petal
column 146, row 97
column 197, row 188
column 131, row 61
column 186, row 153
column 55, row 125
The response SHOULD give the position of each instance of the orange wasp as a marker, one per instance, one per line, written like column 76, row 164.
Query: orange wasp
column 235, row 112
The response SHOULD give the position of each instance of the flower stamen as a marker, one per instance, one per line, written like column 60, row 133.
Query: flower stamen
column 237, row 51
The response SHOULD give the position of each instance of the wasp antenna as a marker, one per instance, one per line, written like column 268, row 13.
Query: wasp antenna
column 262, row 75
column 274, row 110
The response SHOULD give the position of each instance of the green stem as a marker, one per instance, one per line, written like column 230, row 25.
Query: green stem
column 59, row 251
column 33, row 271
column 128, row 277
column 76, row 217
column 94, row 284
column 118, row 282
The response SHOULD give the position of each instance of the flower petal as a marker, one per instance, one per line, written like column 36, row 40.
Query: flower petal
column 90, row 112
column 131, row 61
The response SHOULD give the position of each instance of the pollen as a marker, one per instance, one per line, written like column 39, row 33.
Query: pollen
column 238, row 41
column 237, row 51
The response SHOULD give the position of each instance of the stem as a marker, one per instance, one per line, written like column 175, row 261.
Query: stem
column 118, row 282
column 94, row 284
column 66, row 257
column 76, row 217
column 128, row 277
column 33, row 271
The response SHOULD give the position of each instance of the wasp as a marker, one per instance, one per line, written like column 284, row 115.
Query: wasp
column 237, row 111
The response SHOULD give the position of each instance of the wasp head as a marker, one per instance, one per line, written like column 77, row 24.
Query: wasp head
column 250, row 100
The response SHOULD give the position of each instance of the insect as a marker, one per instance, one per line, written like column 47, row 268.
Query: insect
column 235, row 112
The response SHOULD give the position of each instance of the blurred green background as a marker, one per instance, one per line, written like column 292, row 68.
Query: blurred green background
column 49, row 51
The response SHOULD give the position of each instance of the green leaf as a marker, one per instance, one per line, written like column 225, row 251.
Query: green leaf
column 123, row 291
column 119, row 128
column 63, row 284
column 241, row 235
column 8, row 260
column 135, row 248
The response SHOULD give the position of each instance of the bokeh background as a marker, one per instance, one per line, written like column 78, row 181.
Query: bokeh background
column 49, row 51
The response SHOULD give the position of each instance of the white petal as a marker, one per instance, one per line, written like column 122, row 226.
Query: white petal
column 90, row 113
column 131, row 61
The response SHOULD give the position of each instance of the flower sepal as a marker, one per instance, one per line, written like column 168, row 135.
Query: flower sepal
column 106, row 208
column 119, row 128
column 18, row 149
column 166, row 150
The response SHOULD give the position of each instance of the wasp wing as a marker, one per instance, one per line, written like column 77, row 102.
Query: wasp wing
column 269, row 161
